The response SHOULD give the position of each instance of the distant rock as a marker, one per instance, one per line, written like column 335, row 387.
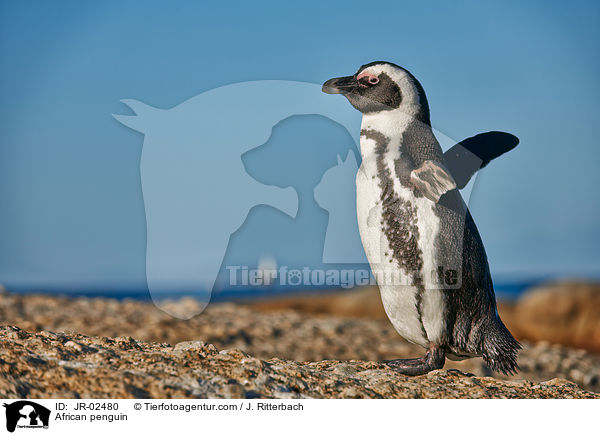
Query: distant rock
column 566, row 313
column 52, row 365
column 362, row 302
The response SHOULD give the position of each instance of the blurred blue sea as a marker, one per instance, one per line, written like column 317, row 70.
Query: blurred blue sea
column 504, row 291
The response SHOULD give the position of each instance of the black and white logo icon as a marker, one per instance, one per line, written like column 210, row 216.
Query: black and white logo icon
column 25, row 414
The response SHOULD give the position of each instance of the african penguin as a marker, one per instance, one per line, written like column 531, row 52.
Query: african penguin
column 419, row 237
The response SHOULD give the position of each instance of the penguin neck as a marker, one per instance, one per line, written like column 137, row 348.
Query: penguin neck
column 389, row 126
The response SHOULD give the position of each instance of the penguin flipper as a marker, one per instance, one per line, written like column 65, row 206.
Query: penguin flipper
column 432, row 180
column 468, row 156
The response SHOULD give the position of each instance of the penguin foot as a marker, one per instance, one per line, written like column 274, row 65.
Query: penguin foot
column 434, row 359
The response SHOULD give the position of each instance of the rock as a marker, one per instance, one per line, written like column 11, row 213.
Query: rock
column 245, row 332
column 155, row 370
column 566, row 313
column 184, row 308
column 358, row 303
column 75, row 346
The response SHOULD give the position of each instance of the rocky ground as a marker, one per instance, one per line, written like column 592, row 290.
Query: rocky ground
column 52, row 365
column 287, row 347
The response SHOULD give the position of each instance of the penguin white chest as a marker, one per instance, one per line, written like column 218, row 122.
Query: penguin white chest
column 416, row 311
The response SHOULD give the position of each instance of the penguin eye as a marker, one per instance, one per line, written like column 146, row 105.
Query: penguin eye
column 369, row 78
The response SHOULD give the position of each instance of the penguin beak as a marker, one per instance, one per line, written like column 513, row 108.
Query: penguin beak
column 340, row 85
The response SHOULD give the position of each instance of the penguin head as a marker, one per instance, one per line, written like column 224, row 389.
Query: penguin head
column 382, row 87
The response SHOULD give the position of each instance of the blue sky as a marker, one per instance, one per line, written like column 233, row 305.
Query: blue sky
column 71, row 207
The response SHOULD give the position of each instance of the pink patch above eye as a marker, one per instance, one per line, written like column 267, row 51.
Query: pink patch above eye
column 372, row 78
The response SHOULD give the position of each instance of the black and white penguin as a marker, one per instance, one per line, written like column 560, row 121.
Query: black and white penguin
column 419, row 237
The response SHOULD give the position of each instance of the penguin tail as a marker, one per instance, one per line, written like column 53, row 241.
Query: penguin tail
column 500, row 349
